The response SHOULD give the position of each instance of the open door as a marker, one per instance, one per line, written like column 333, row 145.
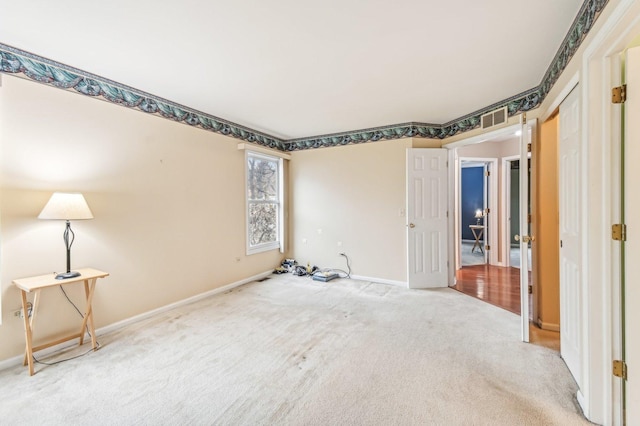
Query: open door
column 524, row 238
column 427, row 222
column 522, row 133
column 631, row 247
column 570, row 204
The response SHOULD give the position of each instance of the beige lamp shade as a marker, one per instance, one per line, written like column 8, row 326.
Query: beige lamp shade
column 66, row 206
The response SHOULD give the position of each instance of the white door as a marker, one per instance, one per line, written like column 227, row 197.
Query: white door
column 427, row 233
column 632, row 245
column 524, row 230
column 571, row 291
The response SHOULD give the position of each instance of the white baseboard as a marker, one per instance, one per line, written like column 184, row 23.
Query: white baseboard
column 11, row 362
column 380, row 280
column 548, row 326
column 583, row 403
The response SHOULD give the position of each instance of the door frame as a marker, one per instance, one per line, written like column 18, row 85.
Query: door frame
column 506, row 209
column 601, row 396
column 491, row 191
column 454, row 180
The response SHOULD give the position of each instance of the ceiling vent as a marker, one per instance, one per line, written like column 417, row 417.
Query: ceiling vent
column 494, row 118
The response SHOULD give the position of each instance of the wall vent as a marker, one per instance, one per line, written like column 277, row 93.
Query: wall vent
column 494, row 118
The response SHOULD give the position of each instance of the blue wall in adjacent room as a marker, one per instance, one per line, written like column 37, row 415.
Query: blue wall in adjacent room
column 471, row 198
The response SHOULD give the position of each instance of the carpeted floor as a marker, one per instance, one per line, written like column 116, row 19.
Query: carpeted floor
column 469, row 258
column 293, row 351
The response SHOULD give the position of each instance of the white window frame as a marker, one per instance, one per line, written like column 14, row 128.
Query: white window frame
column 278, row 244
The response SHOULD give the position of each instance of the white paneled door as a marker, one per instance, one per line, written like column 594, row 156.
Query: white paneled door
column 427, row 201
column 632, row 245
column 570, row 201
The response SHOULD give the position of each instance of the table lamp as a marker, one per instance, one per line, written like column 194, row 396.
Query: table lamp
column 66, row 206
column 479, row 216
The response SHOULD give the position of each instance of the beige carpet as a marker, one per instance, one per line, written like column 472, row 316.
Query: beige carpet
column 292, row 351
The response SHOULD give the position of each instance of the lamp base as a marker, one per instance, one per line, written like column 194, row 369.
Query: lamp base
column 66, row 275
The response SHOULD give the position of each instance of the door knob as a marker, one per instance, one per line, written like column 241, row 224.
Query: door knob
column 411, row 225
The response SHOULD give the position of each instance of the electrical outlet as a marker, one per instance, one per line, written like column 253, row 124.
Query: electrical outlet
column 19, row 314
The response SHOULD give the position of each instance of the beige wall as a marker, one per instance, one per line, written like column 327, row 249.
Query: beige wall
column 546, row 217
column 354, row 195
column 168, row 202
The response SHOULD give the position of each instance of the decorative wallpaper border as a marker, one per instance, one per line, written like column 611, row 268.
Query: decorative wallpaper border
column 587, row 16
column 519, row 103
column 525, row 101
column 46, row 71
column 42, row 70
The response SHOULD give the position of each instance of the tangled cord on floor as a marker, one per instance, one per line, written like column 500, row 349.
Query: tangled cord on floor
column 76, row 356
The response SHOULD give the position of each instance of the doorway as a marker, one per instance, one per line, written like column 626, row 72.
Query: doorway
column 511, row 224
column 475, row 228
column 481, row 205
column 494, row 282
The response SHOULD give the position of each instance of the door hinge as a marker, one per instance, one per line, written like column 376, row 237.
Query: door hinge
column 487, row 211
column 530, row 289
column 528, row 218
column 620, row 369
column 528, row 147
column 619, row 94
column 487, row 247
column 487, row 173
column 619, row 232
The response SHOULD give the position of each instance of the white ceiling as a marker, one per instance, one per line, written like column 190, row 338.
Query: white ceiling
column 296, row 68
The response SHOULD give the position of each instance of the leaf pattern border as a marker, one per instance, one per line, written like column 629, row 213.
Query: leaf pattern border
column 46, row 71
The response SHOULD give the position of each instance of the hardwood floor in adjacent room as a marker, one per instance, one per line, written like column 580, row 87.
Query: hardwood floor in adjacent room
column 500, row 286
column 492, row 284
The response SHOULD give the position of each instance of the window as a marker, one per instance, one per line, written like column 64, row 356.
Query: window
column 264, row 202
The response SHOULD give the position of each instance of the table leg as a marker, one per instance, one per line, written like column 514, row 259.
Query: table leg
column 89, row 288
column 27, row 332
column 32, row 320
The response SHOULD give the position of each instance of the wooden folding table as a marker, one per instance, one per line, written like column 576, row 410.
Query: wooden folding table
column 35, row 284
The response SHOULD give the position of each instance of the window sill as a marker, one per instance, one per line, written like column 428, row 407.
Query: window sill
column 263, row 248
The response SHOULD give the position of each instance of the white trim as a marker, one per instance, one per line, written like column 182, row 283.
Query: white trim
column 484, row 137
column 282, row 206
column 12, row 362
column 264, row 247
column 582, row 402
column 402, row 284
column 600, row 396
column 492, row 235
column 573, row 82
column 454, row 259
column 263, row 150
column 614, row 394
column 505, row 224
